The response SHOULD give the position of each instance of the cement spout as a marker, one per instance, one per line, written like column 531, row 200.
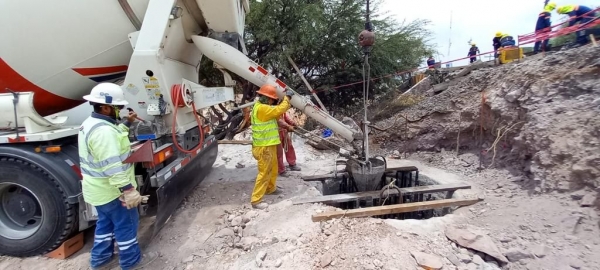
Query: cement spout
column 238, row 63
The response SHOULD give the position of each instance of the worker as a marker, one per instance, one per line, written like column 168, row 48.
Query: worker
column 431, row 62
column 496, row 43
column 543, row 26
column 507, row 40
column 578, row 14
column 265, row 140
column 286, row 148
column 109, row 184
column 473, row 51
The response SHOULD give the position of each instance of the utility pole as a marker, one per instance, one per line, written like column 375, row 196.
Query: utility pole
column 366, row 39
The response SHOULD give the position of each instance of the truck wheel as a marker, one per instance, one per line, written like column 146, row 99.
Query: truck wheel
column 34, row 215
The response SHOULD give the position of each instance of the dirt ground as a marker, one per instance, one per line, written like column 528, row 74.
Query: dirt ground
column 216, row 229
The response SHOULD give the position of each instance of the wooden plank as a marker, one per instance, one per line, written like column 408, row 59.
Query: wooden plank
column 234, row 142
column 347, row 197
column 393, row 209
column 322, row 177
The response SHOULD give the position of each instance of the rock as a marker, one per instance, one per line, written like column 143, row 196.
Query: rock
column 188, row 259
column 396, row 153
column 472, row 266
column 453, row 259
column 251, row 214
column 260, row 257
column 479, row 242
column 237, row 221
column 464, row 258
column 230, row 218
column 245, row 219
column 588, row 200
column 246, row 243
column 427, row 261
column 575, row 263
column 225, row 232
column 278, row 263
column 515, row 255
column 377, row 263
column 578, row 195
column 478, row 260
column 325, row 260
column 540, row 251
column 512, row 96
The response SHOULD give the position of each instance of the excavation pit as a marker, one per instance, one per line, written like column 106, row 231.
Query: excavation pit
column 408, row 187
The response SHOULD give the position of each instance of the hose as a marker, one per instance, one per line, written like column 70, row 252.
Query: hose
column 285, row 141
column 178, row 102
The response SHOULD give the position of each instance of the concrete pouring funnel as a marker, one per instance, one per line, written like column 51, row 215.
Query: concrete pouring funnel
column 365, row 179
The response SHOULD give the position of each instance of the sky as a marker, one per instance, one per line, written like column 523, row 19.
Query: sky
column 478, row 20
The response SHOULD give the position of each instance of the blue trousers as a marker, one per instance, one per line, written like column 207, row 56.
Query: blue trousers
column 115, row 222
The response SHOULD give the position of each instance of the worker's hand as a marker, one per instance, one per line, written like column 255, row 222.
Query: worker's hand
column 289, row 93
column 290, row 128
column 131, row 198
column 131, row 117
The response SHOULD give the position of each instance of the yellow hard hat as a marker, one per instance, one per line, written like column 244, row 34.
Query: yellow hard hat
column 473, row 44
column 550, row 6
column 498, row 34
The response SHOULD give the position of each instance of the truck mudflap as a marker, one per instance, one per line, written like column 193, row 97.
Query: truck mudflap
column 183, row 181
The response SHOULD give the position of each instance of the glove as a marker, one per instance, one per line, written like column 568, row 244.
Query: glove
column 289, row 93
column 131, row 198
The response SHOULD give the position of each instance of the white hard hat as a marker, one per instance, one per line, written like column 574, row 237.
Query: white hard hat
column 107, row 93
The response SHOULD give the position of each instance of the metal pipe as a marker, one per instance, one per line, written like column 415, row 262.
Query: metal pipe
column 244, row 105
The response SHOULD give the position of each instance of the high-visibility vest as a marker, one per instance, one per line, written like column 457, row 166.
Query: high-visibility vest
column 101, row 163
column 263, row 133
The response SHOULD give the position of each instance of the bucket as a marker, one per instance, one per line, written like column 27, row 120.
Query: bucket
column 365, row 179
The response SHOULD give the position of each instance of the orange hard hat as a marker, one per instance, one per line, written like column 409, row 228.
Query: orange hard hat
column 268, row 90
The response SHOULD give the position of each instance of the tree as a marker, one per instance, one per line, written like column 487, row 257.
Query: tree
column 321, row 37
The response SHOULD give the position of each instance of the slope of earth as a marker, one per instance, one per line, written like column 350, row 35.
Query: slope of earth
column 538, row 116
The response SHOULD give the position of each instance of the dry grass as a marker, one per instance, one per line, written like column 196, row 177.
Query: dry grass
column 390, row 108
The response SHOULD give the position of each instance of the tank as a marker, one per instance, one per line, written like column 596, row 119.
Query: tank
column 60, row 49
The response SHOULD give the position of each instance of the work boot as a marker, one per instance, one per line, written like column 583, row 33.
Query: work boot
column 284, row 174
column 114, row 262
column 276, row 192
column 260, row 206
column 147, row 258
column 294, row 168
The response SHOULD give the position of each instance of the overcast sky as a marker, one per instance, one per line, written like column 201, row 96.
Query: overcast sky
column 473, row 19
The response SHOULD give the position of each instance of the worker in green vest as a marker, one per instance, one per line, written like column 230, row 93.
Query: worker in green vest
column 265, row 139
column 109, row 183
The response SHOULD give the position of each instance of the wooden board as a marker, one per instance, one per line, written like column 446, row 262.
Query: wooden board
column 322, row 177
column 347, row 197
column 393, row 209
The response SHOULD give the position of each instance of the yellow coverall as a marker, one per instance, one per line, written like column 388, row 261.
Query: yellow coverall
column 266, row 156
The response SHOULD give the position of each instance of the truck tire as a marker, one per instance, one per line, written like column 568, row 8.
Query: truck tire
column 35, row 217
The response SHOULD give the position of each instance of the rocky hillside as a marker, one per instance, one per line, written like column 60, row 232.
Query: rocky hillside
column 538, row 117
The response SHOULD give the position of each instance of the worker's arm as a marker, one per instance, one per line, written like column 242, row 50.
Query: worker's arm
column 266, row 112
column 105, row 144
column 282, row 123
column 288, row 120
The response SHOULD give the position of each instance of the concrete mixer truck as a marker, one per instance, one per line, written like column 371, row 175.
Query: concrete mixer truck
column 53, row 52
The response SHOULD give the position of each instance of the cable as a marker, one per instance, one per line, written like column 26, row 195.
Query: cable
column 178, row 102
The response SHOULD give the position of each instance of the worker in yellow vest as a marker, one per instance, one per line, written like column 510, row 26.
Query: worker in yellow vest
column 265, row 139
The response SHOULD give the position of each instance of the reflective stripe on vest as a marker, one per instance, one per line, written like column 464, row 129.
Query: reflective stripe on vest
column 264, row 133
column 95, row 168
